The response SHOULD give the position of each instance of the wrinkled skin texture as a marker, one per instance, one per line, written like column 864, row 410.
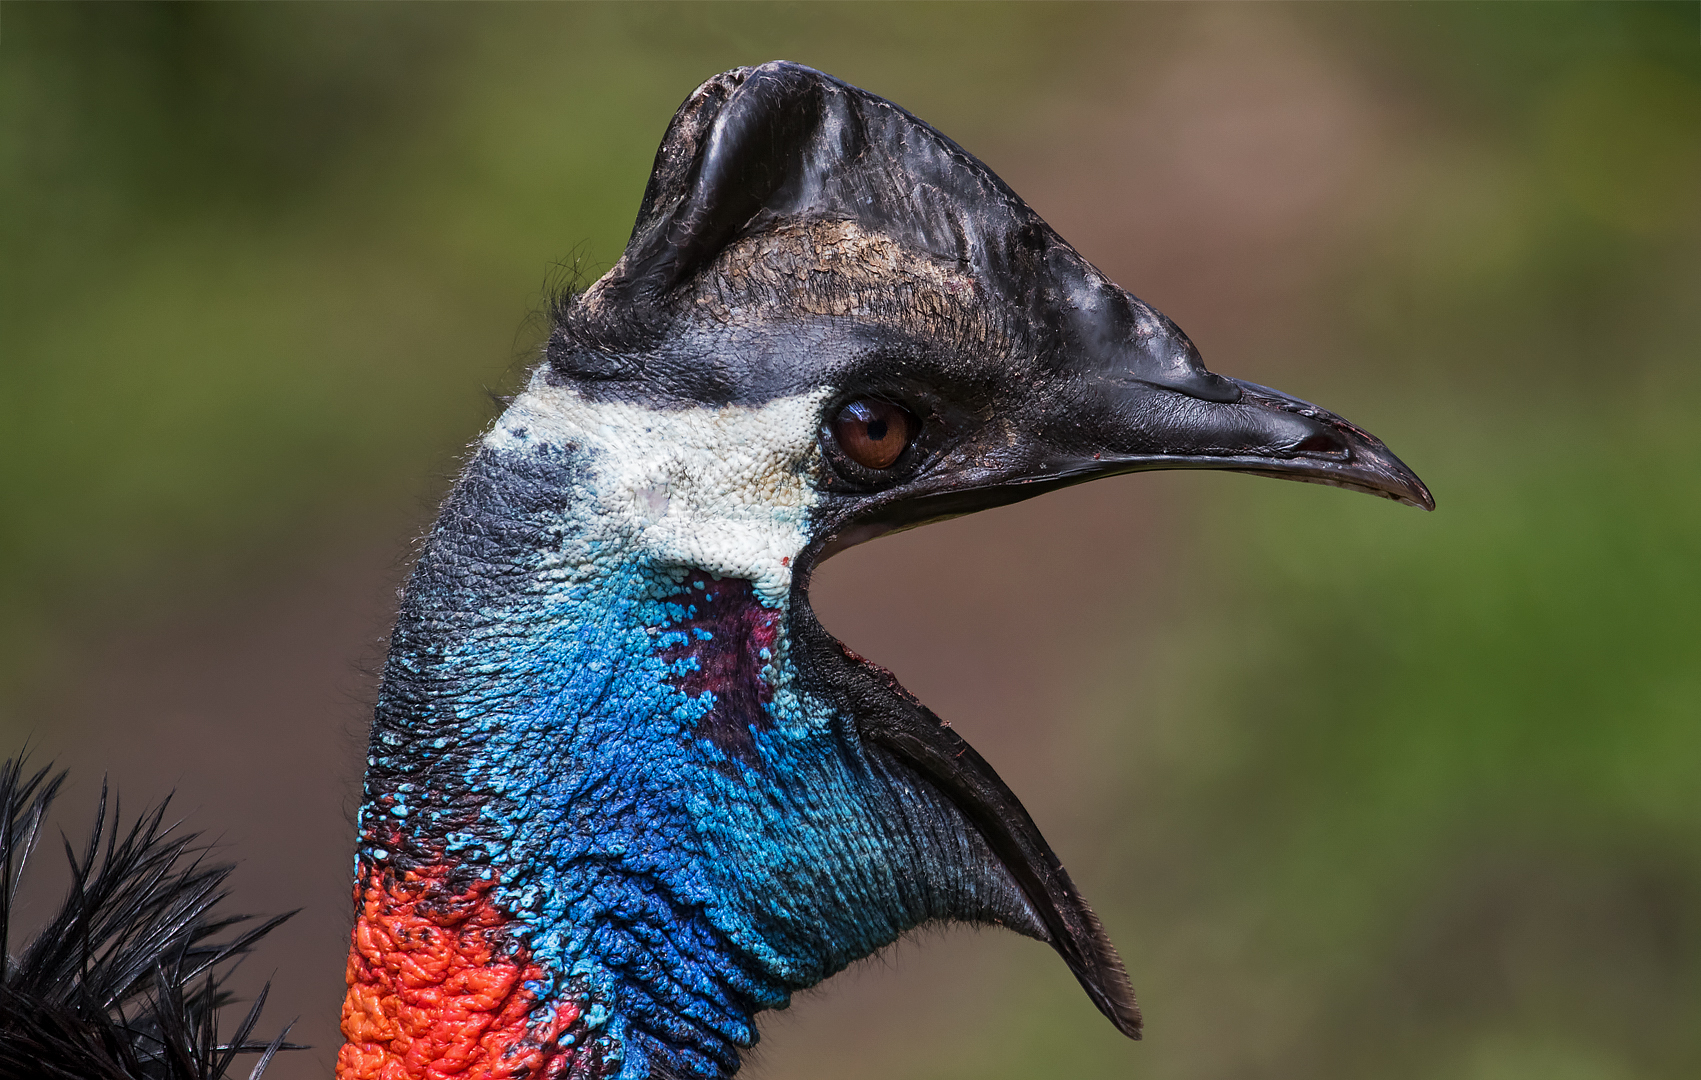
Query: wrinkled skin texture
column 624, row 792
column 437, row 987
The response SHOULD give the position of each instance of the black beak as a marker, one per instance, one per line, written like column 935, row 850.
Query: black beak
column 1143, row 426
column 1140, row 398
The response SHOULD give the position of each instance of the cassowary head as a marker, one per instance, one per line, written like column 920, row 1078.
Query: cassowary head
column 624, row 790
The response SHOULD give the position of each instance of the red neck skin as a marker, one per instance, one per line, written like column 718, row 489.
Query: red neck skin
column 438, row 988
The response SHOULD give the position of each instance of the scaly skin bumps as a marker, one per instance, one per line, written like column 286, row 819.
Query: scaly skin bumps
column 437, row 987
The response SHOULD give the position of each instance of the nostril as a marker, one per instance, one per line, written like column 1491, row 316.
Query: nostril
column 1321, row 441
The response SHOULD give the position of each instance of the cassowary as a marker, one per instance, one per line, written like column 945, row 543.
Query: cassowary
column 623, row 791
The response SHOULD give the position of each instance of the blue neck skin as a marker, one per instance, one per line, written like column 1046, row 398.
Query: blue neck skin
column 680, row 833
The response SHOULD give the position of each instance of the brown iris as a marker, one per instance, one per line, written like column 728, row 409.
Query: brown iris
column 874, row 433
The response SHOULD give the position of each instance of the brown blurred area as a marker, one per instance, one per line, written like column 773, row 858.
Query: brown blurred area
column 1242, row 168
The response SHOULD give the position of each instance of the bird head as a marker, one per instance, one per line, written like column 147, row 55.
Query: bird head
column 610, row 715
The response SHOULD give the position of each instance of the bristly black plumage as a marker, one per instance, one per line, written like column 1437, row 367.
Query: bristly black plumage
column 125, row 982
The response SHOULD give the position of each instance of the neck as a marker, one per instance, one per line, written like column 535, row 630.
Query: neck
column 516, row 906
column 603, row 824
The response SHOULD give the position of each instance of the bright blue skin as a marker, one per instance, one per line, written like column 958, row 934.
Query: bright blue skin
column 532, row 726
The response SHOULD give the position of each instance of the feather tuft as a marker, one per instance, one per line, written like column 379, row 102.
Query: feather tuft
column 126, row 980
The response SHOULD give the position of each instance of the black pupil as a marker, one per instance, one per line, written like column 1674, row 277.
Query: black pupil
column 877, row 430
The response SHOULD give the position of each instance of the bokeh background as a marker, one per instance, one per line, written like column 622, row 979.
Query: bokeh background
column 1359, row 791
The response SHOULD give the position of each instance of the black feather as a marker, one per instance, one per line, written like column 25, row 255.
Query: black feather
column 126, row 980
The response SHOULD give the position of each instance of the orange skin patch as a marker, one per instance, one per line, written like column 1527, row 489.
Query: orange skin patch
column 437, row 988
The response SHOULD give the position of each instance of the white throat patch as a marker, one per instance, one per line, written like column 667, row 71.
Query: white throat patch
column 725, row 488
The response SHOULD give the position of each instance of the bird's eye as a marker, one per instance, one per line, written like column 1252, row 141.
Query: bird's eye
column 874, row 433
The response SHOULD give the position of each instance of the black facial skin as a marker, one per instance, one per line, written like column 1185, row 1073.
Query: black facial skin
column 799, row 233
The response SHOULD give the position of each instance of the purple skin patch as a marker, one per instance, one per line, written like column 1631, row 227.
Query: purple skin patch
column 720, row 643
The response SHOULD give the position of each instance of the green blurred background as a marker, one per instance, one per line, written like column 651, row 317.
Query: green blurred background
column 1360, row 792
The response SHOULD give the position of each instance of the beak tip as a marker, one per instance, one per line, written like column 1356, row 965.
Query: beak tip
column 1400, row 482
column 1411, row 491
column 1406, row 490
